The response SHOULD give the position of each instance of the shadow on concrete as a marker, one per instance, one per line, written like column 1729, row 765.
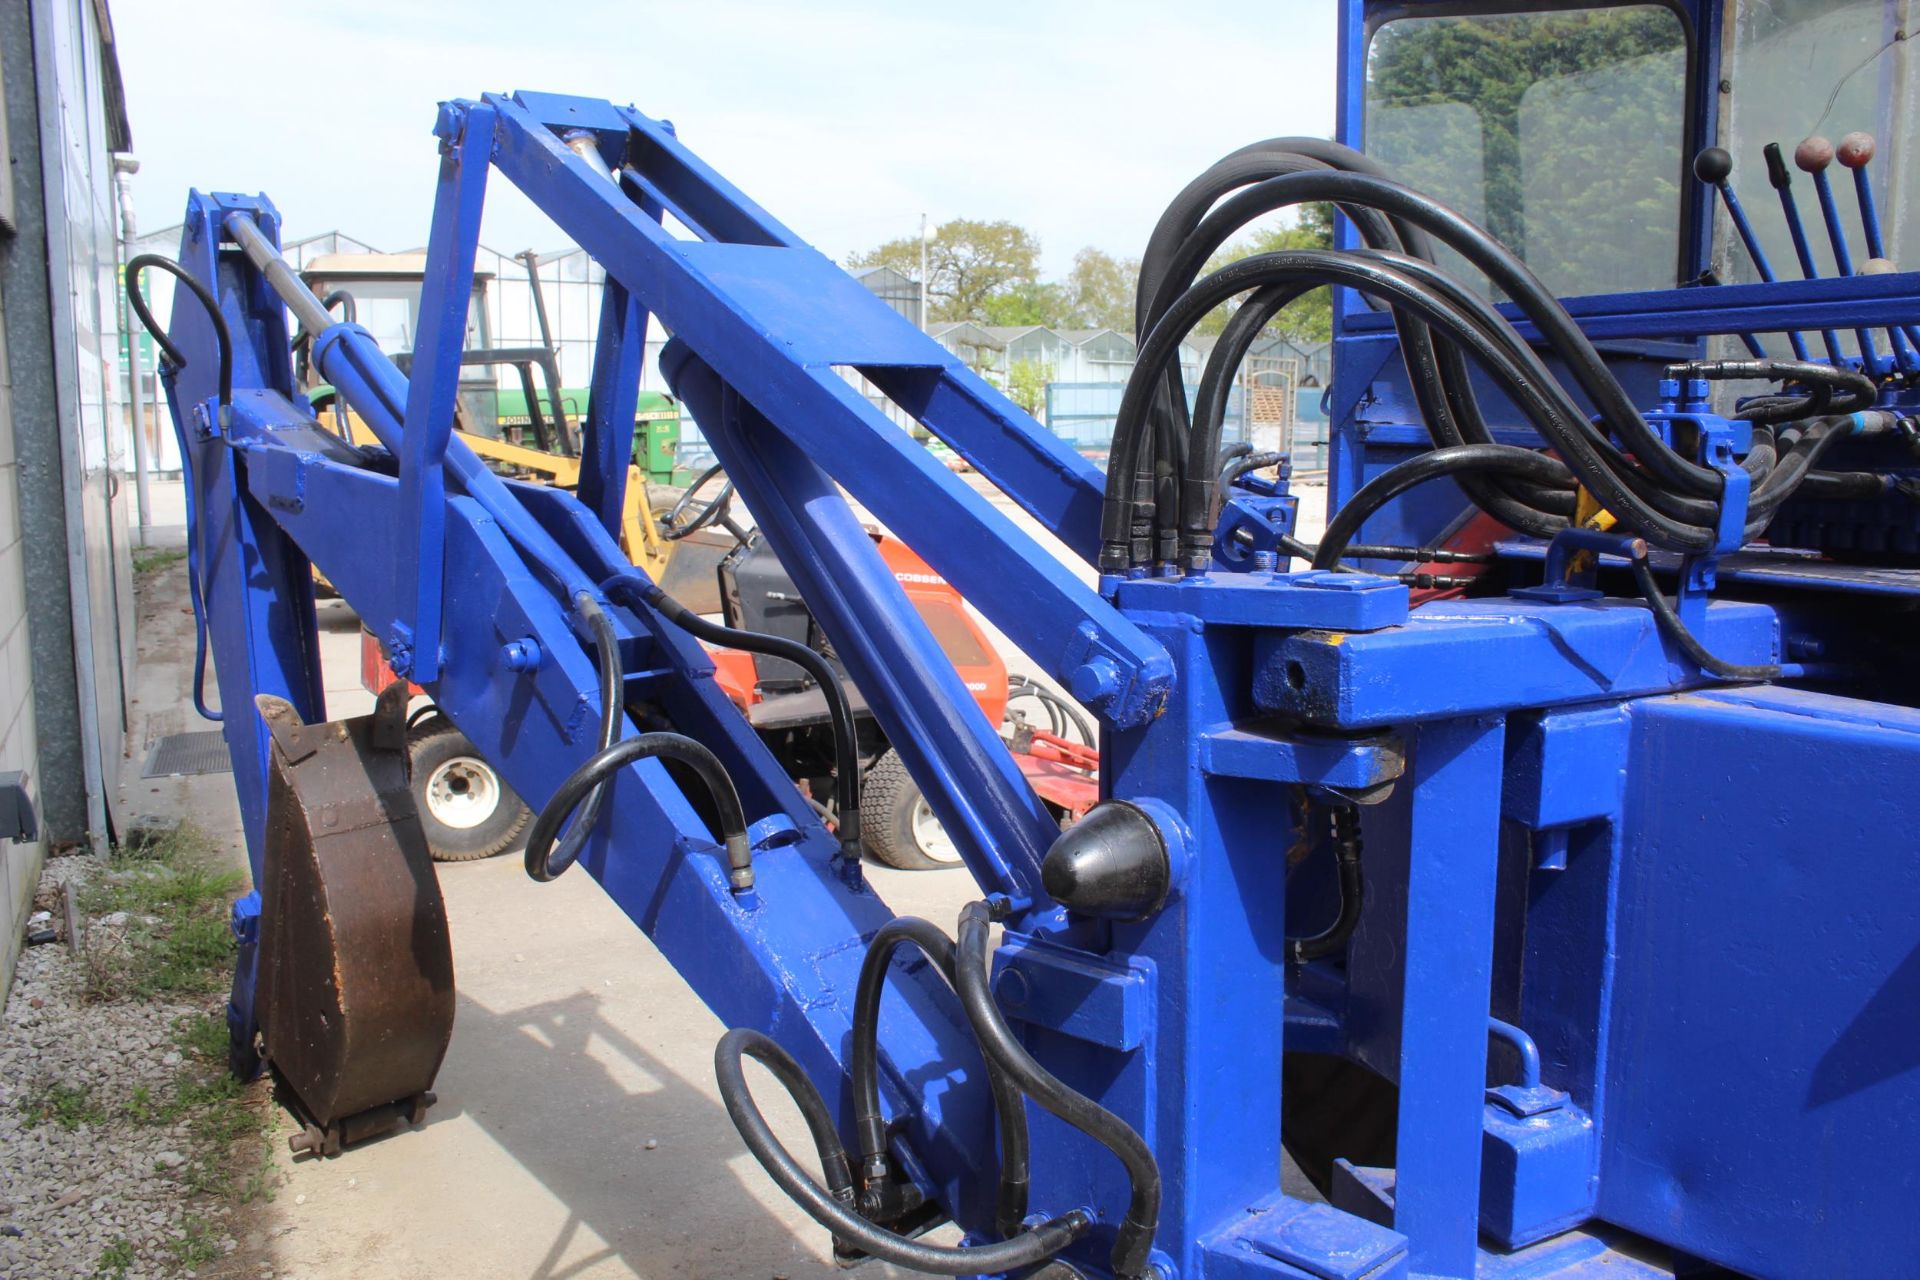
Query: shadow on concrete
column 575, row 1100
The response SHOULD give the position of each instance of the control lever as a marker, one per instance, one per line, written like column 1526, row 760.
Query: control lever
column 1714, row 166
column 1782, row 179
column 1813, row 155
column 1855, row 152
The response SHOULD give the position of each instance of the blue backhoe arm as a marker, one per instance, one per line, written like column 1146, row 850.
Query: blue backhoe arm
column 463, row 575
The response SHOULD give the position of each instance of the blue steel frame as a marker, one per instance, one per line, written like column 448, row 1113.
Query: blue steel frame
column 1499, row 743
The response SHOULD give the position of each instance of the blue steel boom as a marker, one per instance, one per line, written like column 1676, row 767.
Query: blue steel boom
column 1654, row 851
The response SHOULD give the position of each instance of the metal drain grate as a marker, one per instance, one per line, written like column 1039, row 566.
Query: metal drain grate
column 204, row 751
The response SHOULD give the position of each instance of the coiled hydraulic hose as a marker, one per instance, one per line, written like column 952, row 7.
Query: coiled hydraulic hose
column 1825, row 378
column 1528, row 390
column 1013, row 1076
column 176, row 361
column 606, row 649
column 833, row 1206
column 1162, row 470
column 599, row 770
column 1010, row 1107
column 846, row 749
column 1134, row 1241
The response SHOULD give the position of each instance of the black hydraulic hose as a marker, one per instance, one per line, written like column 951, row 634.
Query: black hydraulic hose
column 606, row 656
column 1678, row 507
column 1010, row 1208
column 223, row 346
column 1441, row 384
column 1668, row 619
column 1161, row 466
column 1801, row 452
column 1509, row 274
column 1447, row 398
column 1438, row 378
column 1380, row 551
column 601, row 767
column 1134, row 1241
column 1518, row 506
column 1771, row 410
column 1371, row 274
column 813, row 1108
column 1379, row 277
column 1859, row 389
column 223, row 340
column 1239, row 460
column 846, row 746
column 833, row 1209
column 1391, row 483
column 349, row 309
column 1232, row 468
column 1250, row 164
column 1347, row 850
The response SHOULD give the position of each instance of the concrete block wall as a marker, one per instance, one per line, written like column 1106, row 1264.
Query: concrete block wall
column 19, row 863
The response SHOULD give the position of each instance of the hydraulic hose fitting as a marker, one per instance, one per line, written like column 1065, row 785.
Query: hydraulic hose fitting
column 1346, row 850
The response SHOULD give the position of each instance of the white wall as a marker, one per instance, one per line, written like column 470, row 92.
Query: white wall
column 19, row 863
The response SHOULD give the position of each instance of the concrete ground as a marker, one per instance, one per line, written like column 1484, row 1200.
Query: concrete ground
column 579, row 1132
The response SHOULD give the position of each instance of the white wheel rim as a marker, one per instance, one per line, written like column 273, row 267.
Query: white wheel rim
column 462, row 793
column 928, row 835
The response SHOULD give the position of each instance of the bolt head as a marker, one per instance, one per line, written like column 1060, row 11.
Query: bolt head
column 1094, row 681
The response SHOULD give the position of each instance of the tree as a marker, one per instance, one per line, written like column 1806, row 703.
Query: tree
column 1027, row 383
column 1099, row 291
column 1029, row 302
column 969, row 264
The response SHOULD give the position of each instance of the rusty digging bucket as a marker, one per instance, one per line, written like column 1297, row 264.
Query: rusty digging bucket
column 356, row 973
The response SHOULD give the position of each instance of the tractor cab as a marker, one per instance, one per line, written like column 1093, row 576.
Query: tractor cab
column 1645, row 162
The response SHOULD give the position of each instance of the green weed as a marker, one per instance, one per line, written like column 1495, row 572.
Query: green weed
column 148, row 560
column 64, row 1105
column 115, row 1260
column 175, row 941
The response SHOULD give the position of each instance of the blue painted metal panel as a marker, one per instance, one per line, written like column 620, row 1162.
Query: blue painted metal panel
column 1764, row 1067
column 1498, row 655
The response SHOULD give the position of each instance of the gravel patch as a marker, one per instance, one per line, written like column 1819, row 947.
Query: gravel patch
column 91, row 1165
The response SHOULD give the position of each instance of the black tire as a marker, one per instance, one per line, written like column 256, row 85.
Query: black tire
column 894, row 820
column 467, row 810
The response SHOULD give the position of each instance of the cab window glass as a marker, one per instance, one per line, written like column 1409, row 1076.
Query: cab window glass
column 1563, row 133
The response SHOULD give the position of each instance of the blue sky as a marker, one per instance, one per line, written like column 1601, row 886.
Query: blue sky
column 846, row 120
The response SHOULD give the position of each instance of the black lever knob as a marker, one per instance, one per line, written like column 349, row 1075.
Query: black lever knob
column 1777, row 172
column 1713, row 166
